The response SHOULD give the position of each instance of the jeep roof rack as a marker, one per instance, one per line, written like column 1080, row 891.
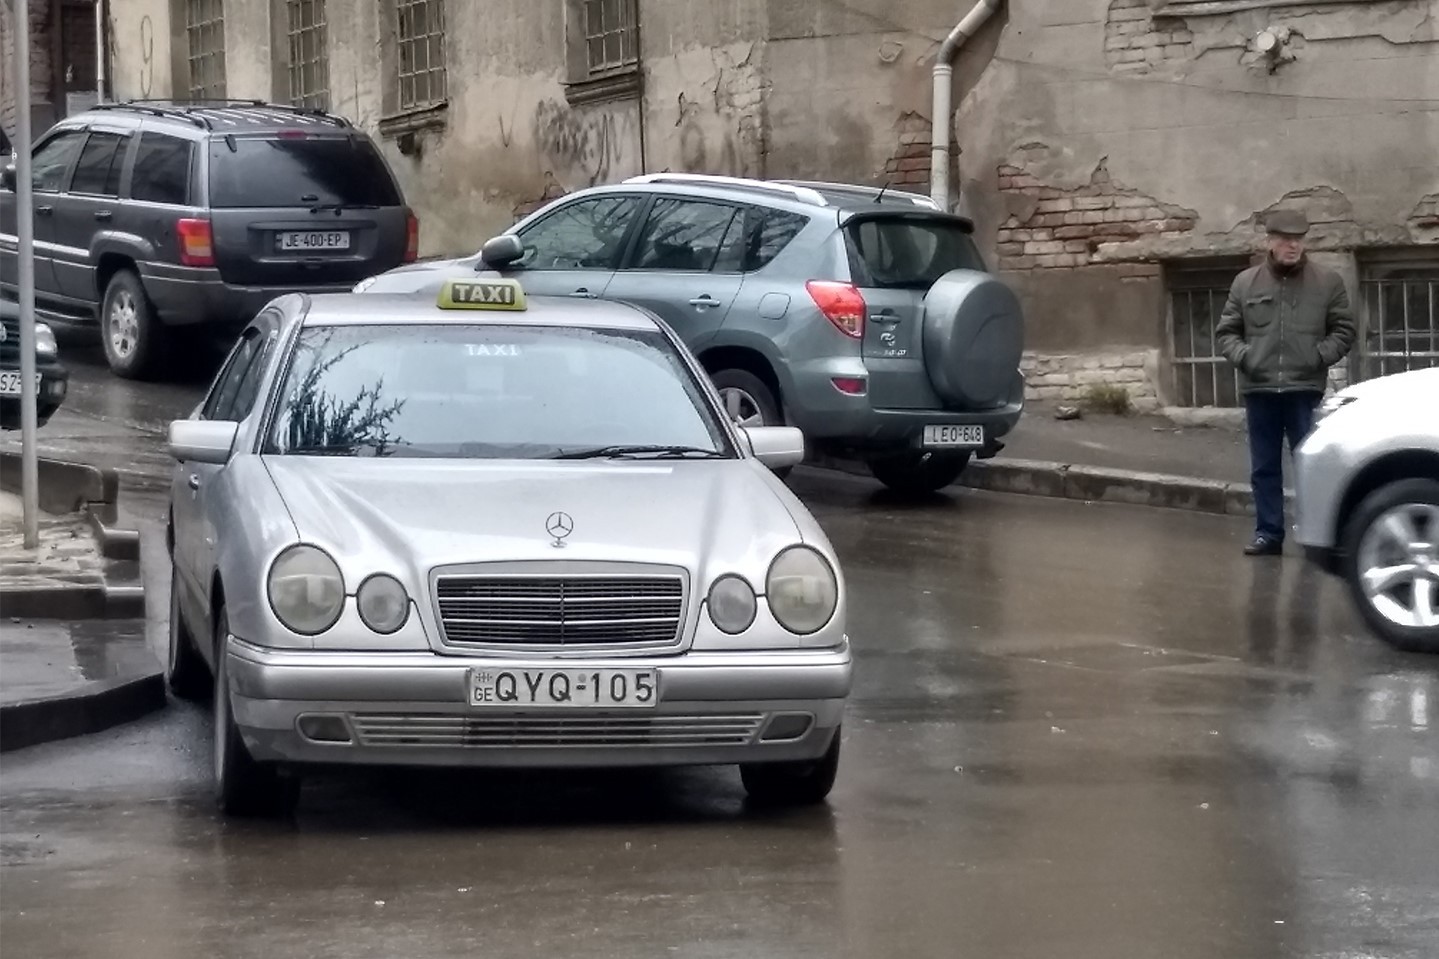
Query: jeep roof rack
column 205, row 112
column 804, row 193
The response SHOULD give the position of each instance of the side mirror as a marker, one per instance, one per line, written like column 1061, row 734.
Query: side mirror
column 202, row 441
column 777, row 447
column 501, row 251
column 7, row 177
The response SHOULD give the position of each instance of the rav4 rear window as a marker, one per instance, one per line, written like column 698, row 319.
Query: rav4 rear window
column 294, row 172
column 909, row 253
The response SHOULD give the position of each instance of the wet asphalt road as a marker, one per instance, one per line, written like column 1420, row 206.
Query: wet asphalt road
column 1077, row 731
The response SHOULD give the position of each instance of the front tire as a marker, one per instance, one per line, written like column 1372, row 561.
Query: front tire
column 185, row 672
column 918, row 474
column 243, row 787
column 793, row 783
column 136, row 343
column 1391, row 563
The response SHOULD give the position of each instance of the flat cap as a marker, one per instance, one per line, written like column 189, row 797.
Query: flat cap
column 1287, row 223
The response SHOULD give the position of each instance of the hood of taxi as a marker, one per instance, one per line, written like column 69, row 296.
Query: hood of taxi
column 407, row 517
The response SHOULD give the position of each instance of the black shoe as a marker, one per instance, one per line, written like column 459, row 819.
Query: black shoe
column 1264, row 546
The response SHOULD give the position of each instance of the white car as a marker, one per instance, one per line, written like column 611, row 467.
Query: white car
column 495, row 531
column 1367, row 499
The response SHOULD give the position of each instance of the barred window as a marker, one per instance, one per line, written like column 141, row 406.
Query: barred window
column 420, row 43
column 610, row 36
column 205, row 35
column 309, row 54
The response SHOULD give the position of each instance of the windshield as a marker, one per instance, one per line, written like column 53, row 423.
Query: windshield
column 299, row 171
column 491, row 392
column 910, row 253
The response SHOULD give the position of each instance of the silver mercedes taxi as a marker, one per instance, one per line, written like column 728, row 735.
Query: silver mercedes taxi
column 494, row 530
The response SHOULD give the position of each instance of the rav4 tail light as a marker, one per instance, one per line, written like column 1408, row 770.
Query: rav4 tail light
column 841, row 303
column 412, row 238
column 197, row 242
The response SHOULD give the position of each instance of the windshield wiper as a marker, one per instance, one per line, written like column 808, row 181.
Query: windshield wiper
column 321, row 450
column 342, row 207
column 634, row 452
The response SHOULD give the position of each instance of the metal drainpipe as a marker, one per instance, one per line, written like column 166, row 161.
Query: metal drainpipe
column 943, row 93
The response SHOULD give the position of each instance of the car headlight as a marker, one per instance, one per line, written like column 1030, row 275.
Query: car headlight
column 45, row 344
column 364, row 284
column 306, row 589
column 802, row 590
column 383, row 603
column 732, row 604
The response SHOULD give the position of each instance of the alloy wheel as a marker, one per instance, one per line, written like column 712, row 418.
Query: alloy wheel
column 741, row 407
column 1399, row 565
column 124, row 322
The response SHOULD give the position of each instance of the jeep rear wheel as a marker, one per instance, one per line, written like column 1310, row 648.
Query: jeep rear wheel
column 918, row 474
column 136, row 343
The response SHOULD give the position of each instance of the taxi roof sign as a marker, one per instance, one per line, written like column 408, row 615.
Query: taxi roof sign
column 506, row 295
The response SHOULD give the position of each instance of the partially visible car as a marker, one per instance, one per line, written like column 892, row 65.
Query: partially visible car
column 405, row 532
column 864, row 316
column 52, row 379
column 1367, row 502
column 162, row 217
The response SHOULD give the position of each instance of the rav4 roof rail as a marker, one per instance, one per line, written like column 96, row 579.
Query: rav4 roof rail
column 918, row 199
column 773, row 186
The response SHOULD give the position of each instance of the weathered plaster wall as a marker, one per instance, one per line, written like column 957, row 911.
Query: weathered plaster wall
column 1196, row 138
column 141, row 51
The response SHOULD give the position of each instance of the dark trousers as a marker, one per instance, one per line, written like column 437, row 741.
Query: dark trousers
column 1272, row 417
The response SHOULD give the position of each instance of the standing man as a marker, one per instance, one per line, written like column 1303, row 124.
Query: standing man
column 1287, row 321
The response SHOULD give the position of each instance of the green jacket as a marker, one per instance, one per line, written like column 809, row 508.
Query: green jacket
column 1285, row 332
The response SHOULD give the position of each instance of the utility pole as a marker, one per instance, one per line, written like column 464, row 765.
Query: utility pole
column 25, row 227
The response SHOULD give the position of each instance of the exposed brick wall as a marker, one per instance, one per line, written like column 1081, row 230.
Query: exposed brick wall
column 1064, row 228
column 908, row 168
column 40, row 69
column 1426, row 214
column 1065, row 377
column 1135, row 42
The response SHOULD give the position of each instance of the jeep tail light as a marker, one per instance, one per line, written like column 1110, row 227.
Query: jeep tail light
column 412, row 238
column 841, row 303
column 197, row 242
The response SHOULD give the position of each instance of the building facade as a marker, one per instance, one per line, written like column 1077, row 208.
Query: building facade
column 1116, row 155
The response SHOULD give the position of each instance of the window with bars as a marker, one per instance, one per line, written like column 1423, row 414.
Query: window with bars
column 205, row 38
column 1199, row 375
column 610, row 36
column 420, row 53
column 1398, row 312
column 309, row 64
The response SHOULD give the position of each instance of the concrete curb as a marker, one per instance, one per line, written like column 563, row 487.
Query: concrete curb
column 97, row 707
column 1093, row 484
column 67, row 488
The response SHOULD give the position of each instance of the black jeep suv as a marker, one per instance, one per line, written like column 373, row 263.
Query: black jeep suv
column 155, row 217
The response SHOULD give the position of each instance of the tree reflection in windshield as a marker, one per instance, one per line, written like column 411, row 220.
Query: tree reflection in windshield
column 318, row 421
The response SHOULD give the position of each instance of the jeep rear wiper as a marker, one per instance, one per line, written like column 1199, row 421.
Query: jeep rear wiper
column 342, row 207
column 633, row 452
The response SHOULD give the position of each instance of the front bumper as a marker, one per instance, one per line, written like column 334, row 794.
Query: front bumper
column 412, row 709
column 53, row 386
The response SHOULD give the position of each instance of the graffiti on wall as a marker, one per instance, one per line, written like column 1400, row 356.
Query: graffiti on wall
column 584, row 147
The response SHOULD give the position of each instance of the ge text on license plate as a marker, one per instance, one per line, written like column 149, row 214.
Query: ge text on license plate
column 315, row 240
column 564, row 688
column 10, row 383
column 962, row 436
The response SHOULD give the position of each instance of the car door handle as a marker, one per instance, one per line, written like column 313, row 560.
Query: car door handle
column 44, row 210
column 701, row 302
column 194, row 481
column 104, row 216
column 582, row 292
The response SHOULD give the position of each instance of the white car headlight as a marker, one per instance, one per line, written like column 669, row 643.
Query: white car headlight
column 383, row 603
column 732, row 604
column 802, row 590
column 364, row 284
column 45, row 344
column 306, row 589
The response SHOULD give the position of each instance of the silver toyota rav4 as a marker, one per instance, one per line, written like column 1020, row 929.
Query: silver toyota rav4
column 865, row 317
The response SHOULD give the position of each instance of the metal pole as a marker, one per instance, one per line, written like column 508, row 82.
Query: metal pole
column 99, row 51
column 25, row 226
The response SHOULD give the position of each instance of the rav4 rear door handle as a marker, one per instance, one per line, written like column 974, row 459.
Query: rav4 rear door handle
column 104, row 216
column 581, row 292
column 702, row 302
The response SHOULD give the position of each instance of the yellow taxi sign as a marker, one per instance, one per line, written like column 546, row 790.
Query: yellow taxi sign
column 482, row 295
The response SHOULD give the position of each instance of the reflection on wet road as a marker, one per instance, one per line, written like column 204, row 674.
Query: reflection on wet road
column 1077, row 731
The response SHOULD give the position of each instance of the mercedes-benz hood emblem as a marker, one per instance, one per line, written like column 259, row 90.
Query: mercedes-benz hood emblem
column 559, row 525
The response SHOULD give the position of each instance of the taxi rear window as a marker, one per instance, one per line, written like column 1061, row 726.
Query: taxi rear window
column 487, row 391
